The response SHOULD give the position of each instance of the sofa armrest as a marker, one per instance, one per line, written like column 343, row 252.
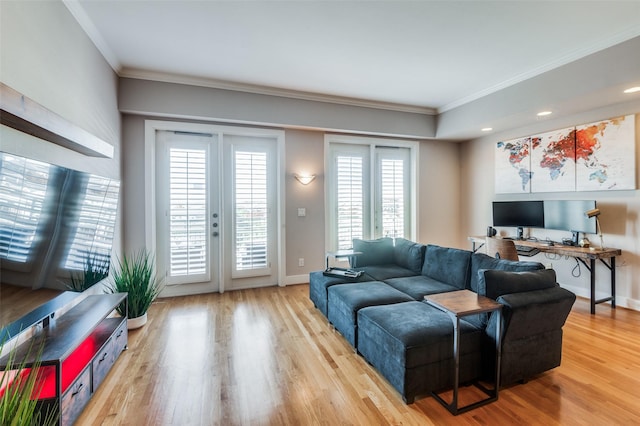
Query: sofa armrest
column 532, row 312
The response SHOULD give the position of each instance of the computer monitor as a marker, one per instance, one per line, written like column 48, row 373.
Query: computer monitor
column 518, row 214
column 569, row 215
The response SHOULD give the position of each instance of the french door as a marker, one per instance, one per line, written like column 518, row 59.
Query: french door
column 216, row 210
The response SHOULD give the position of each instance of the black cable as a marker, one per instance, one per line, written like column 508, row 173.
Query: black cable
column 576, row 268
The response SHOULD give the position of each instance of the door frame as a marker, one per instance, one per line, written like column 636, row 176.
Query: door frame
column 150, row 129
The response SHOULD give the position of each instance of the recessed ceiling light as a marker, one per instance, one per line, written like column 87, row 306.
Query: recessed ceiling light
column 544, row 113
column 486, row 129
column 632, row 89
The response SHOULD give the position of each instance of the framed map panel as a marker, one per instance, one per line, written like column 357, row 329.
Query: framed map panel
column 605, row 155
column 553, row 165
column 513, row 166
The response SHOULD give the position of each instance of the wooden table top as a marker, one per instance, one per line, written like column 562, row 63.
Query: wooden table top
column 564, row 250
column 462, row 302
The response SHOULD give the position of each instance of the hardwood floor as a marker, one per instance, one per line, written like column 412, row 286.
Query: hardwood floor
column 268, row 357
column 15, row 301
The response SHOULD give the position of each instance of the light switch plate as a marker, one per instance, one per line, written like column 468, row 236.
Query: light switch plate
column 302, row 212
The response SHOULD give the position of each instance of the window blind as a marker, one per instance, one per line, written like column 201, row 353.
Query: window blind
column 187, row 212
column 95, row 229
column 23, row 186
column 350, row 199
column 250, row 210
column 392, row 183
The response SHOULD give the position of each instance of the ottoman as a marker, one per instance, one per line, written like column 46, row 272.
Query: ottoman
column 411, row 345
column 319, row 283
column 345, row 300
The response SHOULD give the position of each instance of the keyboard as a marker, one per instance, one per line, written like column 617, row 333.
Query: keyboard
column 526, row 250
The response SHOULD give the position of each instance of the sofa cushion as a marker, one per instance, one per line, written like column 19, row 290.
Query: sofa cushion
column 415, row 333
column 448, row 265
column 346, row 299
column 385, row 271
column 419, row 286
column 320, row 283
column 482, row 261
column 374, row 252
column 408, row 254
column 494, row 283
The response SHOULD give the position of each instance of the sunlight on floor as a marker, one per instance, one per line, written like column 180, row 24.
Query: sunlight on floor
column 252, row 363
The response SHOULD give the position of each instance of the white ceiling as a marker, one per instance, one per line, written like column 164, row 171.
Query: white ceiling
column 430, row 56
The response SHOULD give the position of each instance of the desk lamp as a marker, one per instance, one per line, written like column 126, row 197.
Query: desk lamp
column 595, row 213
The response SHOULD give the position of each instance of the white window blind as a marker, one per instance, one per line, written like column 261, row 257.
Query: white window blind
column 188, row 233
column 95, row 228
column 23, row 186
column 392, row 205
column 350, row 199
column 250, row 211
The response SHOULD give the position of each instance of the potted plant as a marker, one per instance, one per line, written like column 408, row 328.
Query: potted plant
column 136, row 275
column 96, row 268
column 19, row 390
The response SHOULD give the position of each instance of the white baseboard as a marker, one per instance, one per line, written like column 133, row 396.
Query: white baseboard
column 296, row 279
column 623, row 302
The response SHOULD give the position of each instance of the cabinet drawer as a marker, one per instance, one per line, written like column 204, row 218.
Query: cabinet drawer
column 76, row 397
column 102, row 363
column 120, row 337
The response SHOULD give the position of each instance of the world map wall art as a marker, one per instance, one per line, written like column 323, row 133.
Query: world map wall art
column 592, row 157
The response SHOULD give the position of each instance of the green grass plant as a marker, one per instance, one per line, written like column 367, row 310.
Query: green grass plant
column 135, row 274
column 19, row 401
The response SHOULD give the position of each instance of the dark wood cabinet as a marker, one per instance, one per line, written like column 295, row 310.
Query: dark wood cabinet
column 78, row 350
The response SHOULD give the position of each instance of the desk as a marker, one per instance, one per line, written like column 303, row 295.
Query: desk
column 582, row 254
column 458, row 304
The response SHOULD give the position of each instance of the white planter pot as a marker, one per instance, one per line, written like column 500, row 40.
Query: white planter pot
column 133, row 323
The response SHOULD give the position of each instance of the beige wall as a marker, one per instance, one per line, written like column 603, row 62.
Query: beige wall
column 620, row 219
column 438, row 197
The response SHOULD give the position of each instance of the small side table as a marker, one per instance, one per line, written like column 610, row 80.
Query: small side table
column 458, row 304
column 340, row 254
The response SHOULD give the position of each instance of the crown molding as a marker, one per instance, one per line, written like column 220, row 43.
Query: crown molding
column 78, row 12
column 271, row 91
column 620, row 37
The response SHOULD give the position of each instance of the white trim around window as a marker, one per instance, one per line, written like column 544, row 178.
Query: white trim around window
column 364, row 155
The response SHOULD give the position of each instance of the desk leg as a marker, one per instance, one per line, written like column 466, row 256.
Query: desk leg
column 498, row 351
column 592, row 268
column 613, row 282
column 456, row 368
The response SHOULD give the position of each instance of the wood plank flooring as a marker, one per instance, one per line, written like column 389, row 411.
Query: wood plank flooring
column 15, row 301
column 268, row 357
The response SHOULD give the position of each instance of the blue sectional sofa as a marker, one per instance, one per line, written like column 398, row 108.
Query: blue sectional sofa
column 383, row 315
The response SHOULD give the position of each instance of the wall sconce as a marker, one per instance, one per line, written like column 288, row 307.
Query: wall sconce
column 596, row 213
column 304, row 179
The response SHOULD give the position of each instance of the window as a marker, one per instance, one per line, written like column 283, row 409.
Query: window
column 23, row 187
column 188, row 236
column 392, row 183
column 350, row 203
column 370, row 189
column 96, row 222
column 250, row 210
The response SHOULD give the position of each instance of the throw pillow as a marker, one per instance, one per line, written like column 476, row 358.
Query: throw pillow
column 448, row 265
column 482, row 261
column 408, row 254
column 374, row 252
column 494, row 283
